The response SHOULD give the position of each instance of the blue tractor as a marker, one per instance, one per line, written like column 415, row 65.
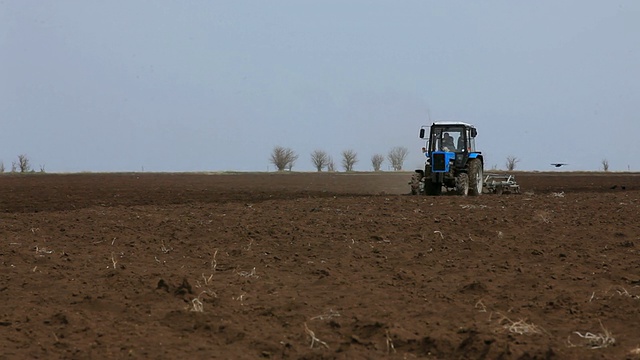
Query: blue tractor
column 453, row 164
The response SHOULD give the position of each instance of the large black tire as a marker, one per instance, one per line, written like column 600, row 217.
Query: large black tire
column 462, row 184
column 475, row 177
column 416, row 178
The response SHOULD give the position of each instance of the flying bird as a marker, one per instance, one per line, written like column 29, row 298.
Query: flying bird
column 559, row 164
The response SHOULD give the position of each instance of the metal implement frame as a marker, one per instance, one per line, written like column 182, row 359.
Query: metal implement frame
column 500, row 183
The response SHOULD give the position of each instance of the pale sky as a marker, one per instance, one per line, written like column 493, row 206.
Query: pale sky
column 126, row 85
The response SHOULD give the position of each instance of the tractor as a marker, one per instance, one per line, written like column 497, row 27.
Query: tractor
column 453, row 164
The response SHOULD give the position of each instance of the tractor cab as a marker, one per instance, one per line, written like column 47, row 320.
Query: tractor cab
column 450, row 137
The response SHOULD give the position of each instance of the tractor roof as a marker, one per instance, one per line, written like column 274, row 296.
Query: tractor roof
column 451, row 123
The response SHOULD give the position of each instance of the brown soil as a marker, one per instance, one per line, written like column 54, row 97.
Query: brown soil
column 115, row 265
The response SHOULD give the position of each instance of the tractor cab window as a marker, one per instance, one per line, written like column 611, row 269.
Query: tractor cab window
column 472, row 144
column 448, row 139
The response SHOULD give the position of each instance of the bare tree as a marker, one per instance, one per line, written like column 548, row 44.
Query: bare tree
column 283, row 158
column 396, row 157
column 605, row 164
column 331, row 165
column 24, row 163
column 511, row 162
column 349, row 158
column 376, row 161
column 14, row 166
column 1, row 167
column 319, row 159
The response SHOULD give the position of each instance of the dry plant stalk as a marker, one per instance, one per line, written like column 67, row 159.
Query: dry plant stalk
column 480, row 305
column 623, row 292
column 520, row 327
column 439, row 232
column 544, row 216
column 594, row 341
column 214, row 262
column 239, row 298
column 207, row 280
column 390, row 346
column 43, row 250
column 164, row 249
column 331, row 314
column 113, row 260
column 313, row 337
column 248, row 274
column 197, row 305
column 470, row 206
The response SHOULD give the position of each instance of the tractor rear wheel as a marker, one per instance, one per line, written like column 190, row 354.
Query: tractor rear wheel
column 462, row 184
column 475, row 177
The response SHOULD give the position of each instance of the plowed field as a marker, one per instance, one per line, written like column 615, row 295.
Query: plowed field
column 317, row 266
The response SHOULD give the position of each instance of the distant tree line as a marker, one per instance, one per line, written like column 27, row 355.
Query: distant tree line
column 284, row 158
column 22, row 165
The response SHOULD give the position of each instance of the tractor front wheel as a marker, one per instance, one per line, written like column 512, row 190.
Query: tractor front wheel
column 475, row 177
column 462, row 184
column 416, row 178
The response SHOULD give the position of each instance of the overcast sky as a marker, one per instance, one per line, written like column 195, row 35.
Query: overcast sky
column 126, row 85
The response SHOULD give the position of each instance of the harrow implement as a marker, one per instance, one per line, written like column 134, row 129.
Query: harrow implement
column 501, row 183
